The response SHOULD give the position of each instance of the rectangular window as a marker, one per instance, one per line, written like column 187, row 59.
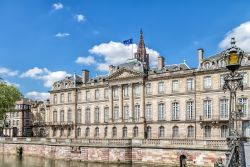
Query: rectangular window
column 137, row 113
column 62, row 98
column 244, row 103
column 148, row 112
column 190, row 84
column 161, row 87
column 126, row 113
column 190, row 110
column 87, row 95
column 106, row 93
column 224, row 108
column 161, row 112
column 79, row 96
column 245, row 78
column 115, row 92
column 106, row 114
column 207, row 82
column 207, row 108
column 222, row 81
column 97, row 94
column 116, row 114
column 125, row 90
column 97, row 115
column 148, row 89
column 137, row 90
column 69, row 97
column 55, row 99
column 175, row 111
column 175, row 85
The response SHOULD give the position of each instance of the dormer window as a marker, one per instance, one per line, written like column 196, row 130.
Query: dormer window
column 207, row 65
column 222, row 63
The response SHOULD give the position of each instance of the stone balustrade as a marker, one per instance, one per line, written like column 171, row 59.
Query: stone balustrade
column 162, row 143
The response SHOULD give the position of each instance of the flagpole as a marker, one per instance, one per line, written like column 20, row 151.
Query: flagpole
column 132, row 50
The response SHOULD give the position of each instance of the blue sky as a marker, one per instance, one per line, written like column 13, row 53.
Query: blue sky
column 42, row 41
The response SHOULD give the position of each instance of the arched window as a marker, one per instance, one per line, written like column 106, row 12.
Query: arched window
column 124, row 132
column 105, row 132
column 97, row 115
column 61, row 132
column 207, row 131
column 96, row 132
column 114, row 132
column 161, row 132
column 78, row 132
column 87, row 132
column 149, row 132
column 61, row 116
column 175, row 131
column 79, row 116
column 224, row 131
column 87, row 116
column 190, row 132
column 69, row 116
column 135, row 131
column 55, row 116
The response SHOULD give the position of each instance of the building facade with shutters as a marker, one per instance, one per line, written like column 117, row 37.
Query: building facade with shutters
column 137, row 101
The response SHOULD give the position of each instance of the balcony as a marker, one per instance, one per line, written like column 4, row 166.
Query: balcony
column 214, row 119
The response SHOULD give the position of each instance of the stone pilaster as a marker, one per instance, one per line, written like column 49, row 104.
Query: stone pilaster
column 131, row 102
column 121, row 103
column 111, row 104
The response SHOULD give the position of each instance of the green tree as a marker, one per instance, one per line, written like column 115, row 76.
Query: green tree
column 8, row 96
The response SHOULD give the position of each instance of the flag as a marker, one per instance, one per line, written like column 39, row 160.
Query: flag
column 127, row 42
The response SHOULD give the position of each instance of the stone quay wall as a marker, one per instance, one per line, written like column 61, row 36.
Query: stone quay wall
column 157, row 152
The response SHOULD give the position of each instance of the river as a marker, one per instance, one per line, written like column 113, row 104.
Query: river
column 30, row 161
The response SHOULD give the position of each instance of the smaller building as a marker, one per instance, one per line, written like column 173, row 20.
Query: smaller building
column 40, row 123
column 19, row 121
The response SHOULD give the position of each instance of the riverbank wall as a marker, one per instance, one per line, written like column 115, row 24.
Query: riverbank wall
column 157, row 152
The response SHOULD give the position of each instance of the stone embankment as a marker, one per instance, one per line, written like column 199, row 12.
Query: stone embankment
column 149, row 151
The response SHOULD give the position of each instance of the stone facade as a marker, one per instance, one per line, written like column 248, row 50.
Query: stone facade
column 19, row 122
column 136, row 101
column 119, row 152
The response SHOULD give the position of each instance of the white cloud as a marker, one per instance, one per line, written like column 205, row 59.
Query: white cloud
column 80, row 18
column 242, row 37
column 48, row 77
column 57, row 6
column 8, row 72
column 37, row 95
column 102, row 67
column 115, row 53
column 85, row 60
column 62, row 35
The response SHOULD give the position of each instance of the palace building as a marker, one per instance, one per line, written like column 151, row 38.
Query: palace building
column 137, row 101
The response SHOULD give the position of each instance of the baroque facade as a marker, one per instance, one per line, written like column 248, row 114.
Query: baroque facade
column 136, row 101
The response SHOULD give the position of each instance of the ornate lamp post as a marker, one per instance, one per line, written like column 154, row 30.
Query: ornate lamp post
column 233, row 82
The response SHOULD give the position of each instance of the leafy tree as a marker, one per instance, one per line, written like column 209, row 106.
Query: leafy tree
column 8, row 96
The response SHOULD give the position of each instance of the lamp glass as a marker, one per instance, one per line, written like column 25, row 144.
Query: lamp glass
column 233, row 58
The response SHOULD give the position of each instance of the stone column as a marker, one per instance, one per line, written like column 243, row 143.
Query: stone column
column 111, row 104
column 121, row 104
column 131, row 103
column 142, row 105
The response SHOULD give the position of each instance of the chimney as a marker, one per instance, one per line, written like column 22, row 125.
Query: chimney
column 160, row 62
column 200, row 55
column 85, row 76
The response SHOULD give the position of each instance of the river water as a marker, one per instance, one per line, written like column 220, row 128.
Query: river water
column 29, row 161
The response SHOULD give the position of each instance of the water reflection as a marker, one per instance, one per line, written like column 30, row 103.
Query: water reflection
column 28, row 161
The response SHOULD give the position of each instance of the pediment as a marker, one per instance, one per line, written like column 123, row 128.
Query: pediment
column 125, row 74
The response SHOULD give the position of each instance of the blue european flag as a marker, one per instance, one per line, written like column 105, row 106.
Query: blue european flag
column 127, row 42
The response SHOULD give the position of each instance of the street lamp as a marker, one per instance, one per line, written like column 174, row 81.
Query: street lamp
column 233, row 82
